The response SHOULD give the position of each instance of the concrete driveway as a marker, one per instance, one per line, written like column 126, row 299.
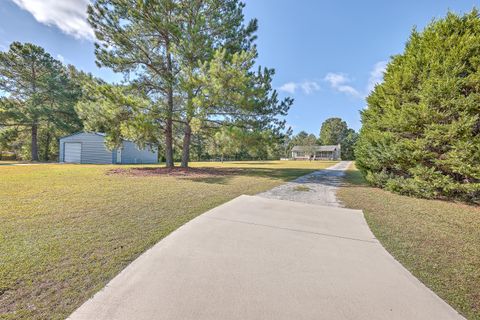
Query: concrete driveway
column 258, row 258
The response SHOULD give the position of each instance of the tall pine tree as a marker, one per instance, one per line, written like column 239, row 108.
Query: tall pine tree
column 206, row 27
column 172, row 52
column 137, row 39
column 40, row 93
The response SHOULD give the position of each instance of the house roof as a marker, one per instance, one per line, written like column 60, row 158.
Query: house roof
column 316, row 148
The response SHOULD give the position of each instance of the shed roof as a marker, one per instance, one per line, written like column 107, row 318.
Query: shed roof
column 83, row 132
column 102, row 135
column 316, row 148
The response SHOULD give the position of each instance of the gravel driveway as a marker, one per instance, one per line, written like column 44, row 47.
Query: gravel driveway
column 318, row 187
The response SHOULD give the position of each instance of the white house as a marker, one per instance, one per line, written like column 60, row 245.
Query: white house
column 316, row 152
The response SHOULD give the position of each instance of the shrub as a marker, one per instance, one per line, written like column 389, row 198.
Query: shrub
column 7, row 156
column 421, row 129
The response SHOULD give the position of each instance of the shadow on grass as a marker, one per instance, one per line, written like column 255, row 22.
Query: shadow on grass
column 279, row 174
column 211, row 180
column 354, row 178
column 256, row 163
column 212, row 175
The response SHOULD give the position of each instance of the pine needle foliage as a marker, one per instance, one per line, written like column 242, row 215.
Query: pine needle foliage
column 421, row 129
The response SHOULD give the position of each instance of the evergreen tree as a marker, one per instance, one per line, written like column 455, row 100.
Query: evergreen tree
column 310, row 144
column 333, row 131
column 299, row 139
column 227, row 142
column 206, row 27
column 40, row 95
column 186, row 62
column 287, row 143
column 421, row 130
column 234, row 95
column 348, row 145
column 137, row 38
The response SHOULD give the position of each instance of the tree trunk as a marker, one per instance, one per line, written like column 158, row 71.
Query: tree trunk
column 46, row 155
column 34, row 148
column 169, row 121
column 186, row 145
column 187, row 137
column 169, row 143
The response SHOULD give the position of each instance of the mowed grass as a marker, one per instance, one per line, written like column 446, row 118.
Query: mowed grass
column 66, row 230
column 438, row 241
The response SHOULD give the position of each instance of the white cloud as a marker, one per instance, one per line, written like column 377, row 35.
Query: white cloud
column 60, row 58
column 70, row 16
column 289, row 87
column 336, row 79
column 339, row 82
column 376, row 75
column 308, row 87
column 348, row 90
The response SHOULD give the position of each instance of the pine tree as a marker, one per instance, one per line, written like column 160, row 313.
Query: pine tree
column 207, row 26
column 348, row 145
column 40, row 92
column 234, row 95
column 333, row 131
column 137, row 38
column 171, row 53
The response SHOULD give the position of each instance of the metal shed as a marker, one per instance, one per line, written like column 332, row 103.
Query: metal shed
column 86, row 147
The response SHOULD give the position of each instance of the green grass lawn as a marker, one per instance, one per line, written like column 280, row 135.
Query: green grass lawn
column 438, row 241
column 66, row 230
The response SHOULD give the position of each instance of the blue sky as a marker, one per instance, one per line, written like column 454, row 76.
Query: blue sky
column 327, row 54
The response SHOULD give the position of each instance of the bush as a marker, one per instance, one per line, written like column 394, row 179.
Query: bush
column 7, row 156
column 421, row 129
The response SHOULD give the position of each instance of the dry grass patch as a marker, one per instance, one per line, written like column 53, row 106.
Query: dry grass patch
column 301, row 188
column 66, row 230
column 175, row 172
column 438, row 241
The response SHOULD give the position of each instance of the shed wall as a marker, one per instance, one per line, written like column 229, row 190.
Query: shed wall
column 93, row 148
column 95, row 151
column 132, row 154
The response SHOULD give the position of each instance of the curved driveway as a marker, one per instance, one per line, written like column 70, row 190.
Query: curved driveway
column 260, row 258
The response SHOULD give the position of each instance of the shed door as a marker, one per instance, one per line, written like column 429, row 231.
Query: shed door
column 73, row 152
column 119, row 155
